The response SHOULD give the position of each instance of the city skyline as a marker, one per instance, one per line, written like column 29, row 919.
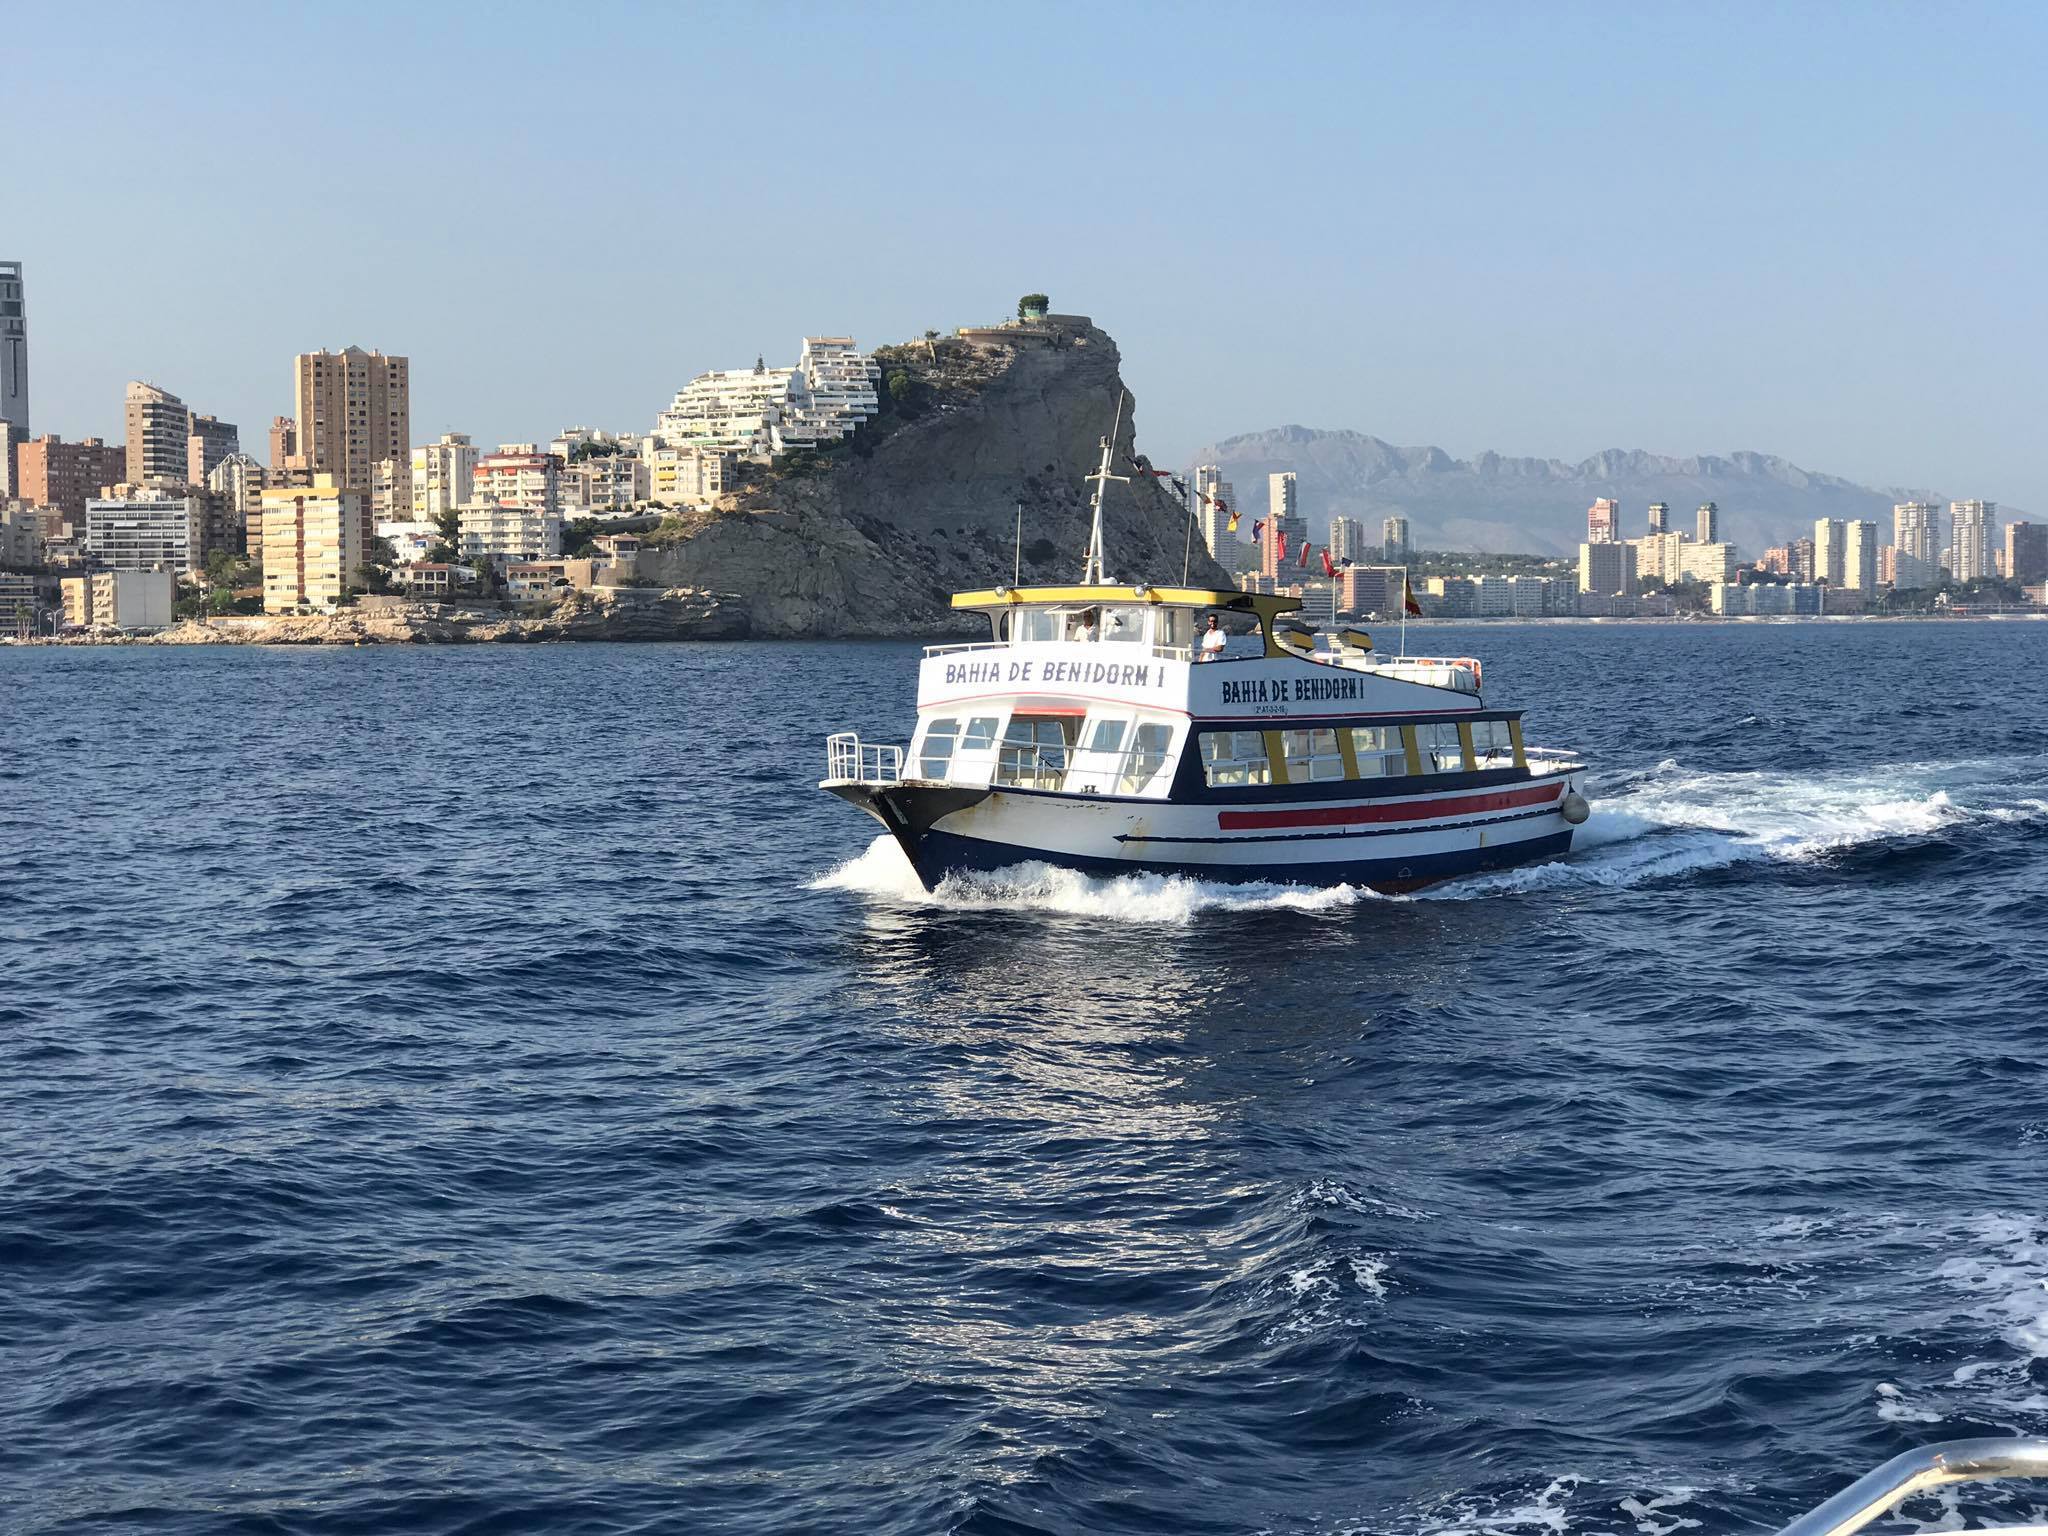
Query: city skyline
column 1795, row 336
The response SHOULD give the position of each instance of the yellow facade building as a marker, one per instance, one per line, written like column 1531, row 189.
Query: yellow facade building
column 312, row 544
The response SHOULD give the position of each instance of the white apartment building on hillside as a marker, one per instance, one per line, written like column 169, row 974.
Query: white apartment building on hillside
column 519, row 475
column 503, row 534
column 767, row 411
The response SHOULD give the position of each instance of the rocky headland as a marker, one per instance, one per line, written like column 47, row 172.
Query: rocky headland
column 873, row 536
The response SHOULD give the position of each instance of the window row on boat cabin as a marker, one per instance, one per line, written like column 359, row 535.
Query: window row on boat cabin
column 1168, row 630
column 1118, row 751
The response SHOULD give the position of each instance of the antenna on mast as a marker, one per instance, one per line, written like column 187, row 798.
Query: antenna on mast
column 1091, row 568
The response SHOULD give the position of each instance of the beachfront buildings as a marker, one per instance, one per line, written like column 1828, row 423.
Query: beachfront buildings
column 508, row 533
column 61, row 477
column 1607, row 568
column 314, row 543
column 1347, row 540
column 142, row 529
column 158, row 424
column 443, row 476
column 760, row 413
column 1707, row 524
column 1973, row 527
column 13, row 353
column 208, row 440
column 519, row 475
column 1603, row 521
column 351, row 408
column 118, row 599
column 1394, row 541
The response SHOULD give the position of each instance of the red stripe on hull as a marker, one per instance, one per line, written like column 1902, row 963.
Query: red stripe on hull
column 1410, row 810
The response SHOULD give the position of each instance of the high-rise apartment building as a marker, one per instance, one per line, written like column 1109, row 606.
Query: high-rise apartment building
column 1659, row 557
column 158, row 425
column 1660, row 517
column 209, row 441
column 1607, row 568
column 352, row 408
column 443, row 476
column 1802, row 561
column 284, row 440
column 13, row 350
column 2026, row 552
column 237, row 483
column 1394, row 541
column 141, row 529
column 1283, row 518
column 312, row 543
column 1283, row 495
column 1214, row 500
column 1705, row 562
column 1603, row 521
column 61, row 477
column 1707, row 523
column 1974, row 530
column 1916, row 530
column 1830, row 546
column 1346, row 540
column 1859, row 557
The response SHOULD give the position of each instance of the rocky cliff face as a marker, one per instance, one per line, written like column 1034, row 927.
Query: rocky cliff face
column 873, row 538
column 594, row 615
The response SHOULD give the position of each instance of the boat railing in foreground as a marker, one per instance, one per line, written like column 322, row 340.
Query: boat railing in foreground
column 849, row 759
column 1931, row 1466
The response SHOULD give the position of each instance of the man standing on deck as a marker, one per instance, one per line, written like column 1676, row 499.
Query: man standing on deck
column 1213, row 640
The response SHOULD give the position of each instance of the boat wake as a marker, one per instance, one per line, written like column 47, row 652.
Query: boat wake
column 1659, row 823
column 1671, row 820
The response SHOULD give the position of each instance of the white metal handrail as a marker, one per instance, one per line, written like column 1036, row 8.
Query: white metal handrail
column 1931, row 1466
column 848, row 759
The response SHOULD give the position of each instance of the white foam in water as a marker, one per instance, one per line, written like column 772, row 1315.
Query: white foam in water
column 1674, row 820
column 1036, row 887
column 1669, row 821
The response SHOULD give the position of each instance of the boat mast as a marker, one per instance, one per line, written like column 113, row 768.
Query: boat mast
column 1091, row 568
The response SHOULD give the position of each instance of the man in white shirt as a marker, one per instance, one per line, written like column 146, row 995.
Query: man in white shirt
column 1213, row 640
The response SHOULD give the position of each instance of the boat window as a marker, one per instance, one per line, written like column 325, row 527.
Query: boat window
column 1148, row 756
column 1038, row 624
column 939, row 737
column 980, row 734
column 1379, row 750
column 1034, row 752
column 1108, row 736
column 1235, row 757
column 1123, row 624
column 1311, row 754
column 1440, row 749
column 1493, row 745
column 1173, row 627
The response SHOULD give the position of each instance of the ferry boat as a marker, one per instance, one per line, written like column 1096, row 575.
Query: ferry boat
column 1088, row 732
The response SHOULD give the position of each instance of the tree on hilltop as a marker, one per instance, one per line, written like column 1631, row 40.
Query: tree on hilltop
column 1033, row 306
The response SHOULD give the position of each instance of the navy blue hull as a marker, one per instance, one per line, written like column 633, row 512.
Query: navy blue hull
column 942, row 853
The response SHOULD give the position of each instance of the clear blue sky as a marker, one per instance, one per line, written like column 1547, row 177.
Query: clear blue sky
column 1810, row 230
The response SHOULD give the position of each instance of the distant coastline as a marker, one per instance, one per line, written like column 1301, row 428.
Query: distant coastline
column 652, row 625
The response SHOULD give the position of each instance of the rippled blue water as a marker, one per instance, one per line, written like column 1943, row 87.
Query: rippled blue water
column 493, row 1090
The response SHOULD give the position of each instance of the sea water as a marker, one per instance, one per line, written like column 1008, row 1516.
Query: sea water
column 493, row 1090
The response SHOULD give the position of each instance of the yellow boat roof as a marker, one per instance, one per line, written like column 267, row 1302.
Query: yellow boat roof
column 1000, row 598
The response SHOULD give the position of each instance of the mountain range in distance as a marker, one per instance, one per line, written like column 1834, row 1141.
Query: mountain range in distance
column 1538, row 506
